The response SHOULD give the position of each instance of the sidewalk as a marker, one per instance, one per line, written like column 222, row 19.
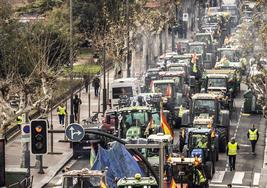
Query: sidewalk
column 54, row 162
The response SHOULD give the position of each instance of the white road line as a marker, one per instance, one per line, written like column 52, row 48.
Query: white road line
column 256, row 178
column 238, row 177
column 218, row 177
column 236, row 186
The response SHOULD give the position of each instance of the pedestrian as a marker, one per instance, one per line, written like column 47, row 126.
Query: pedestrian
column 253, row 136
column 76, row 106
column 199, row 179
column 61, row 111
column 19, row 122
column 232, row 148
column 96, row 84
column 86, row 83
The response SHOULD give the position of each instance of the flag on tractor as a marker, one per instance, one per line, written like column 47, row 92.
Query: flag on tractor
column 173, row 184
column 169, row 90
column 102, row 185
column 165, row 126
column 92, row 156
column 152, row 89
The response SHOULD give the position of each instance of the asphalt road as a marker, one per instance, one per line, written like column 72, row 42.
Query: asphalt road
column 248, row 166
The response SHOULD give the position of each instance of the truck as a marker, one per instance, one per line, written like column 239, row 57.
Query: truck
column 124, row 87
column 208, row 104
column 84, row 178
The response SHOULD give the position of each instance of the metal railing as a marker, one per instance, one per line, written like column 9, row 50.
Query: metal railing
column 25, row 183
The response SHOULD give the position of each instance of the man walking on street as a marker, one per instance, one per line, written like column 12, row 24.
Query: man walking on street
column 96, row 84
column 232, row 148
column 253, row 136
column 61, row 111
column 76, row 106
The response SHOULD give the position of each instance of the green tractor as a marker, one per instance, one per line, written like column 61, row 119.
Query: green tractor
column 201, row 48
column 203, row 145
column 134, row 122
column 208, row 104
column 218, row 85
column 137, row 182
column 233, row 79
column 230, row 58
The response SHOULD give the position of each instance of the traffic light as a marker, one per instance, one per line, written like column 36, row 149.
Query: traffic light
column 39, row 136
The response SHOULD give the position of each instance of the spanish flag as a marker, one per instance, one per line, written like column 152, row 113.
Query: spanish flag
column 102, row 185
column 169, row 90
column 173, row 184
column 165, row 126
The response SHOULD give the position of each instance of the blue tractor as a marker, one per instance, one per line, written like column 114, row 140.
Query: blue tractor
column 203, row 143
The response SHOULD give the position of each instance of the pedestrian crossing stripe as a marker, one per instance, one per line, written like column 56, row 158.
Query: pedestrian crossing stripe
column 237, row 178
column 234, row 186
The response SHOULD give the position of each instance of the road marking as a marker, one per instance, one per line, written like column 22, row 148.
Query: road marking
column 218, row 177
column 256, row 178
column 238, row 177
column 236, row 186
column 244, row 145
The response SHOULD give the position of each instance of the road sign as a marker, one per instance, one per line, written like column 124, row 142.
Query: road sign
column 185, row 17
column 75, row 132
column 25, row 133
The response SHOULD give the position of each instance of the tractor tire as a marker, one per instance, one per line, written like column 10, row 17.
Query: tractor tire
column 209, row 169
column 217, row 155
column 222, row 144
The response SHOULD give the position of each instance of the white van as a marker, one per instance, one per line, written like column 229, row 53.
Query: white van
column 124, row 86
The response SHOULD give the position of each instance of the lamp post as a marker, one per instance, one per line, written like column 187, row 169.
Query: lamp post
column 71, row 63
column 104, row 90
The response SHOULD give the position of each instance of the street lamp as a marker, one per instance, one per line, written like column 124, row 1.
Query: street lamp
column 104, row 91
column 71, row 63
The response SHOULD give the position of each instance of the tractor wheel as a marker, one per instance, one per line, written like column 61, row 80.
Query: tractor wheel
column 209, row 167
column 222, row 144
column 217, row 155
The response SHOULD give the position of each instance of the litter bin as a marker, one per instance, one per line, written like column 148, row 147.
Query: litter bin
column 250, row 104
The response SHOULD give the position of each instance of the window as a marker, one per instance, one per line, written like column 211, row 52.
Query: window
column 136, row 119
column 216, row 82
column 196, row 49
column 199, row 141
column 164, row 88
column 204, row 105
column 118, row 91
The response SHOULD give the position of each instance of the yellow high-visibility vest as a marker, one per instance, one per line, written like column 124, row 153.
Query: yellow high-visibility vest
column 201, row 179
column 61, row 110
column 253, row 134
column 232, row 148
column 19, row 120
column 194, row 68
column 181, row 111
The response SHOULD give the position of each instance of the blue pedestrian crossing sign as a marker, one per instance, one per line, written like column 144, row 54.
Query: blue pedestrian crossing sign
column 74, row 132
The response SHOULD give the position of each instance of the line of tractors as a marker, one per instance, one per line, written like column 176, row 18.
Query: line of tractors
column 194, row 87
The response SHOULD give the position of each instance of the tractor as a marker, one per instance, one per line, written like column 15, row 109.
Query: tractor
column 84, row 178
column 137, row 181
column 208, row 104
column 202, row 144
column 133, row 121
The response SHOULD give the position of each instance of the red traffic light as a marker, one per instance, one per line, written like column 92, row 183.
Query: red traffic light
column 38, row 129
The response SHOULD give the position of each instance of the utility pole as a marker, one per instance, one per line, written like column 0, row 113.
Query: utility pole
column 128, row 62
column 71, row 63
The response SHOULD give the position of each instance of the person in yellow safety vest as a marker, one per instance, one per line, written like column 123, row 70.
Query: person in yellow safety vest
column 253, row 136
column 202, row 144
column 61, row 111
column 19, row 121
column 232, row 148
column 199, row 179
